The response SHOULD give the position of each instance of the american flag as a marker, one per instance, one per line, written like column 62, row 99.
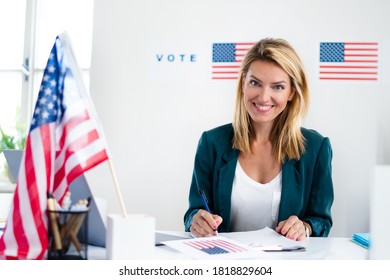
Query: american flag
column 63, row 142
column 227, row 58
column 215, row 247
column 349, row 61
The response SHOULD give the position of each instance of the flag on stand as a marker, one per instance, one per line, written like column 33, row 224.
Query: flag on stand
column 63, row 142
column 227, row 58
column 349, row 61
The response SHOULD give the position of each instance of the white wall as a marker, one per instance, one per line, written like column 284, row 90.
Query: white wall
column 154, row 112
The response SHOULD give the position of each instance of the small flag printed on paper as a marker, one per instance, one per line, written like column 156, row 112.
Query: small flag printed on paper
column 348, row 61
column 227, row 58
column 215, row 247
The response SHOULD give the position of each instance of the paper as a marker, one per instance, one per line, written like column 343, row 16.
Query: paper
column 252, row 244
column 267, row 238
column 216, row 247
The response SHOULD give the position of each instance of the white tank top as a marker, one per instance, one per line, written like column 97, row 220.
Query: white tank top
column 254, row 205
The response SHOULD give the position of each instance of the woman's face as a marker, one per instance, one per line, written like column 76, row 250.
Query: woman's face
column 267, row 89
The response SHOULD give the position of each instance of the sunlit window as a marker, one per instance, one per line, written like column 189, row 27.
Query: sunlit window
column 28, row 30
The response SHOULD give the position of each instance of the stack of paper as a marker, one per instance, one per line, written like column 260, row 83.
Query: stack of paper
column 362, row 239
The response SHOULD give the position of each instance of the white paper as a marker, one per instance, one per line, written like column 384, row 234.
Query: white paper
column 264, row 237
column 216, row 247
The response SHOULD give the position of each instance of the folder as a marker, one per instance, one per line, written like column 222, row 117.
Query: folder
column 362, row 239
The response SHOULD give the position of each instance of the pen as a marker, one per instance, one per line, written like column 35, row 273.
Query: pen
column 205, row 204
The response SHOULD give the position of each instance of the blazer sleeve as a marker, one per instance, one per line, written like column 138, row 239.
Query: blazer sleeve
column 201, row 178
column 318, row 213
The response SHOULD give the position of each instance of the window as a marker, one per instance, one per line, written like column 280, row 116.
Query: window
column 28, row 30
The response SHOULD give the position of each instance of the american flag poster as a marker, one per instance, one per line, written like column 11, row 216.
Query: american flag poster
column 216, row 247
column 348, row 61
column 227, row 58
column 63, row 142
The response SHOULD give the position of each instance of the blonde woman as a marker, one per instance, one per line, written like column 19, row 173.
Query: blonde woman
column 264, row 169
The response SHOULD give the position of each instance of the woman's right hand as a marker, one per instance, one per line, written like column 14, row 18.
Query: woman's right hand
column 204, row 224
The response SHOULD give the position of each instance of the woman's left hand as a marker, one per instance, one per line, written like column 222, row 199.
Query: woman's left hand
column 293, row 228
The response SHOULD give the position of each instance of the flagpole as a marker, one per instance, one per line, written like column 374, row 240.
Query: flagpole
column 118, row 191
column 77, row 75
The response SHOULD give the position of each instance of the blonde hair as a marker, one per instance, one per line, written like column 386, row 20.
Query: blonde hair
column 286, row 137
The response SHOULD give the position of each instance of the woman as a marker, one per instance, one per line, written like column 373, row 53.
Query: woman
column 264, row 169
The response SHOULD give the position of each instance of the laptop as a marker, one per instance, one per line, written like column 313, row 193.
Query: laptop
column 79, row 190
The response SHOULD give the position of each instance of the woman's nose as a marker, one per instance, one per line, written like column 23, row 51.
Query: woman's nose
column 263, row 94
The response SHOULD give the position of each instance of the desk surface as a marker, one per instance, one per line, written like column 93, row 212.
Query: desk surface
column 316, row 249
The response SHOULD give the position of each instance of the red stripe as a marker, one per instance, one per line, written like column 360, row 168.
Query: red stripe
column 362, row 55
column 86, row 165
column 360, row 61
column 355, row 66
column 335, row 72
column 18, row 230
column 361, row 43
column 349, row 79
column 241, row 44
column 230, row 247
column 225, row 66
column 73, row 147
column 45, row 132
column 33, row 194
column 195, row 246
column 225, row 72
column 72, row 123
column 34, row 189
column 360, row 49
column 224, row 78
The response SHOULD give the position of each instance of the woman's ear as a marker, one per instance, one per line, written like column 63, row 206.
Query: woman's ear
column 292, row 93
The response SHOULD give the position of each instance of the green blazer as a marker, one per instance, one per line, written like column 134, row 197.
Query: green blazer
column 307, row 187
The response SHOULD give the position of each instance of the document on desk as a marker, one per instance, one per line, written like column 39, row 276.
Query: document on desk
column 266, row 240
column 215, row 247
column 237, row 245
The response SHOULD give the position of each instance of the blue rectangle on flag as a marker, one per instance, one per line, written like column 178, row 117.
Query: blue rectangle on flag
column 332, row 52
column 224, row 52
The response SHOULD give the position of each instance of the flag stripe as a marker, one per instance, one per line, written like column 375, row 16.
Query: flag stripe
column 70, row 150
column 352, row 66
column 335, row 72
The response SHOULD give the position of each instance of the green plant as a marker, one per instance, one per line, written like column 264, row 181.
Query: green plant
column 11, row 141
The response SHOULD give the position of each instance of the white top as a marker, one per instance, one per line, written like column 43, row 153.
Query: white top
column 254, row 205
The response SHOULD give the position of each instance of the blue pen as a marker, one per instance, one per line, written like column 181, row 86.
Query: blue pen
column 203, row 197
column 205, row 204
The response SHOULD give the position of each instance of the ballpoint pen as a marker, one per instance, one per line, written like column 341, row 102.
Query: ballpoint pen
column 206, row 206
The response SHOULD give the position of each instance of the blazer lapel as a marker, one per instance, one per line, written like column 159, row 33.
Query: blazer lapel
column 291, row 199
column 225, row 183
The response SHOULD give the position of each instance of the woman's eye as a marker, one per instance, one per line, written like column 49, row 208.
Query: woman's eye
column 254, row 83
column 279, row 87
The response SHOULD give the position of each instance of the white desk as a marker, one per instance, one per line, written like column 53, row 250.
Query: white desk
column 316, row 249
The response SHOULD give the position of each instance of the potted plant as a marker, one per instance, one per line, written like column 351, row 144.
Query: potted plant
column 8, row 141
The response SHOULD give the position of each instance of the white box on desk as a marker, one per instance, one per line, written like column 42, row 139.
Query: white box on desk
column 130, row 237
column 379, row 226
